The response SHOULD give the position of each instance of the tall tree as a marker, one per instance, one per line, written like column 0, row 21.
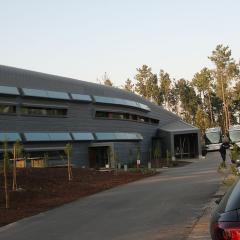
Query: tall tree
column 189, row 100
column 143, row 77
column 129, row 86
column 173, row 98
column 106, row 80
column 225, row 71
column 201, row 120
column 165, row 84
column 203, row 81
column 153, row 89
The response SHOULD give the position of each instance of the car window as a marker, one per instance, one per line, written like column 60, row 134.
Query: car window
column 231, row 199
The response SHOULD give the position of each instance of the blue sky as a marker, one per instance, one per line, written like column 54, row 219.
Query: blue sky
column 84, row 39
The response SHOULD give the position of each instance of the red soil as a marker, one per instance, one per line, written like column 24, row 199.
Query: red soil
column 43, row 189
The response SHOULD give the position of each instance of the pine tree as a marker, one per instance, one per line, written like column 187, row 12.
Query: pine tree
column 203, row 81
column 143, row 77
column 129, row 86
column 165, row 84
column 225, row 71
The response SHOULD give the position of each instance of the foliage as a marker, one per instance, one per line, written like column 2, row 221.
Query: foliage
column 234, row 153
column 129, row 86
column 211, row 98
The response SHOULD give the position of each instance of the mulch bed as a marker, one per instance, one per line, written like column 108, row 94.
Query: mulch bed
column 43, row 189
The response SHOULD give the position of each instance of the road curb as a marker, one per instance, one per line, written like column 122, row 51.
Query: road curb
column 200, row 229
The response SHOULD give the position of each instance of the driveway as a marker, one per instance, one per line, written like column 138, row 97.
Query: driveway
column 161, row 207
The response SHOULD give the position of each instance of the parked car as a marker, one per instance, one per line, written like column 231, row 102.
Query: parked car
column 225, row 219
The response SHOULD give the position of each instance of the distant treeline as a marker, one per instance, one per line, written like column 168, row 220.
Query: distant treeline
column 211, row 98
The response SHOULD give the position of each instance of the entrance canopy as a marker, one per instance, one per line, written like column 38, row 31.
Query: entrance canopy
column 180, row 139
column 179, row 127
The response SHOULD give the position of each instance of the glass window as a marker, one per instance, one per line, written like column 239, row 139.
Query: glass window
column 134, row 117
column 213, row 137
column 80, row 97
column 9, row 90
column 101, row 114
column 154, row 121
column 5, row 109
column 60, row 137
column 82, row 136
column 117, row 115
column 37, row 137
column 34, row 92
column 47, row 136
column 105, row 136
column 119, row 101
column 10, row 137
column 45, row 94
column 234, row 136
column 41, row 111
column 119, row 136
column 58, row 95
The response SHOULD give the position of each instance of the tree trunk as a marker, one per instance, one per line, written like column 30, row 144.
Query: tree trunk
column 210, row 108
column 6, row 184
column 14, row 187
column 225, row 113
column 69, row 168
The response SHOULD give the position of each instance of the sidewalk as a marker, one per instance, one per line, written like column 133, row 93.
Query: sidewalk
column 200, row 230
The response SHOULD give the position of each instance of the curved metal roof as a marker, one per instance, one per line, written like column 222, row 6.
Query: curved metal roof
column 11, row 76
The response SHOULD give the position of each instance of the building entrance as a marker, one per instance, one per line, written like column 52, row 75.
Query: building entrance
column 98, row 156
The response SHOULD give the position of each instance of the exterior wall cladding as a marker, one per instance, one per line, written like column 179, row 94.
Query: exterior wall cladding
column 81, row 115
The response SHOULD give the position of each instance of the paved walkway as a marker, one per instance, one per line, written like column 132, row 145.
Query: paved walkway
column 161, row 207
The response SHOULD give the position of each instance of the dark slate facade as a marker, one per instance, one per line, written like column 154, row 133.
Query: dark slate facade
column 153, row 124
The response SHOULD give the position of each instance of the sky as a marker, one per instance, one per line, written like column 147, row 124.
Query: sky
column 84, row 39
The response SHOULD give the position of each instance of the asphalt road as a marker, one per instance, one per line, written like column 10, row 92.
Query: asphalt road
column 161, row 207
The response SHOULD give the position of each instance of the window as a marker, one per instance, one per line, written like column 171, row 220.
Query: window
column 125, row 116
column 80, row 136
column 45, row 94
column 119, row 101
column 80, row 97
column 60, row 137
column 9, row 90
column 38, row 137
column 7, row 109
column 117, row 115
column 134, row 117
column 10, row 137
column 58, row 95
column 101, row 114
column 118, row 136
column 154, row 121
column 41, row 111
column 143, row 119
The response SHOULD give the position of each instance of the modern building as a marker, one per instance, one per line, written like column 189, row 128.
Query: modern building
column 104, row 124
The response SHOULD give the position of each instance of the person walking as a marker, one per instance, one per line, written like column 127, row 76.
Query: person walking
column 223, row 150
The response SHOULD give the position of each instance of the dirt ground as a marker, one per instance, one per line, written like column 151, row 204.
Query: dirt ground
column 43, row 189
